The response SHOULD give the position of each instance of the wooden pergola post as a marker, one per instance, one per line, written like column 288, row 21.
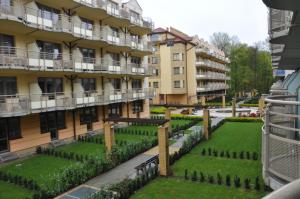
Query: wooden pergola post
column 261, row 105
column 203, row 101
column 223, row 101
column 163, row 147
column 234, row 107
column 109, row 136
column 206, row 124
column 168, row 117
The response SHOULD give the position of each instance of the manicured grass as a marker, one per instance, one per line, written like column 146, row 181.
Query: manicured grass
column 37, row 168
column 131, row 138
column 213, row 165
column 232, row 136
column 235, row 136
column 10, row 191
column 170, row 188
column 84, row 148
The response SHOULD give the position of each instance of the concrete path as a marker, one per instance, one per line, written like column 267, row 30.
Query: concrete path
column 124, row 170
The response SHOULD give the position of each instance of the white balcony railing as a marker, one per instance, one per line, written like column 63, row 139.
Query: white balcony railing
column 212, row 64
column 281, row 145
column 17, row 105
column 17, row 58
column 212, row 87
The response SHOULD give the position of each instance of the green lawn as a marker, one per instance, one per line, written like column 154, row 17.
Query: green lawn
column 84, row 148
column 235, row 136
column 37, row 168
column 170, row 188
column 232, row 136
column 10, row 191
column 211, row 165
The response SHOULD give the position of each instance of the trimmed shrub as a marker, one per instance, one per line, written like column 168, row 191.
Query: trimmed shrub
column 247, row 183
column 237, row 182
column 257, row 184
column 194, row 176
column 228, row 181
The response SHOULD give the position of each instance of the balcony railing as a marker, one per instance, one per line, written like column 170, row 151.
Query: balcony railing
column 63, row 23
column 16, row 58
column 17, row 105
column 212, row 64
column 212, row 76
column 281, row 145
column 212, row 87
column 212, row 54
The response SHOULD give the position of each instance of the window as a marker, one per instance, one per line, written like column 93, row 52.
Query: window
column 112, row 7
column 86, row 24
column 8, row 86
column 10, row 127
column 155, row 72
column 136, row 60
column 49, row 50
column 88, row 115
column 52, row 121
column 115, row 110
column 178, row 56
column 88, row 84
column 51, row 85
column 138, row 106
column 136, row 84
column 88, row 55
column 149, row 84
column 178, row 70
column 179, row 84
column 134, row 15
column 155, row 84
column 115, row 57
column 135, row 38
column 154, row 60
column 115, row 32
column 116, row 83
column 7, row 42
column 155, row 38
column 48, row 12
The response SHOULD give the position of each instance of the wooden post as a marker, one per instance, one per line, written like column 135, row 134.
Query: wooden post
column 261, row 105
column 109, row 136
column 223, row 101
column 168, row 117
column 163, row 146
column 206, row 123
column 234, row 107
column 203, row 101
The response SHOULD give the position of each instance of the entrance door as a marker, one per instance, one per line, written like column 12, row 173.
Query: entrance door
column 54, row 134
column 4, row 146
column 52, row 126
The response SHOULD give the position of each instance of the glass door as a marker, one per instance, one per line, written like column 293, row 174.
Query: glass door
column 4, row 145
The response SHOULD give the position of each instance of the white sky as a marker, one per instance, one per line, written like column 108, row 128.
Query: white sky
column 246, row 19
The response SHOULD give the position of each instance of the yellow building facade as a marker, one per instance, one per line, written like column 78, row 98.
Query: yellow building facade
column 66, row 66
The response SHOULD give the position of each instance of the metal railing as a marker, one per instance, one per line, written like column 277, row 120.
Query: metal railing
column 281, row 145
column 17, row 58
column 212, row 64
column 63, row 23
column 212, row 54
column 212, row 76
column 212, row 87
column 17, row 105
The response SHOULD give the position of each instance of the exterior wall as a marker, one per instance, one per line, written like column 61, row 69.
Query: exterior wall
column 165, row 70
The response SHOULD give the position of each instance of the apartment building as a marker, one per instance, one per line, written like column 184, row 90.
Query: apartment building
column 173, row 63
column 68, row 65
column 212, row 70
column 187, row 70
column 281, row 145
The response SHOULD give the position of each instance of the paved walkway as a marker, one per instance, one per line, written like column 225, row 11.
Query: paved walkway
column 124, row 170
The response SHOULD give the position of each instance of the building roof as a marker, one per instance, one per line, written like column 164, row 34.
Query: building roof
column 178, row 37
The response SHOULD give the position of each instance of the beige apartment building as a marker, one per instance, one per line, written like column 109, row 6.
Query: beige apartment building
column 187, row 70
column 68, row 65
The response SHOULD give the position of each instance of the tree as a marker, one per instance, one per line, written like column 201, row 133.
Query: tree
column 224, row 42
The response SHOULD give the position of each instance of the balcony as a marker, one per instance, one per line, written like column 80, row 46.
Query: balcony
column 212, row 64
column 212, row 54
column 211, row 76
column 212, row 87
column 279, row 23
column 16, row 58
column 18, row 105
column 281, row 145
column 47, row 21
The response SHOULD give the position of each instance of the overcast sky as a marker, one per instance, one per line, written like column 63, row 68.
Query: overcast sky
column 245, row 18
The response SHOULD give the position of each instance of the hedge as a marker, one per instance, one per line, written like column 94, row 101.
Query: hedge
column 243, row 119
column 248, row 105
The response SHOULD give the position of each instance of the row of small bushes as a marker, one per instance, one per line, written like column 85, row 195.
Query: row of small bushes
column 89, row 139
column 248, row 105
column 177, row 117
column 127, row 187
column 226, row 154
column 136, row 132
column 19, row 180
column 219, row 104
column 243, row 119
column 228, row 181
column 158, row 110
